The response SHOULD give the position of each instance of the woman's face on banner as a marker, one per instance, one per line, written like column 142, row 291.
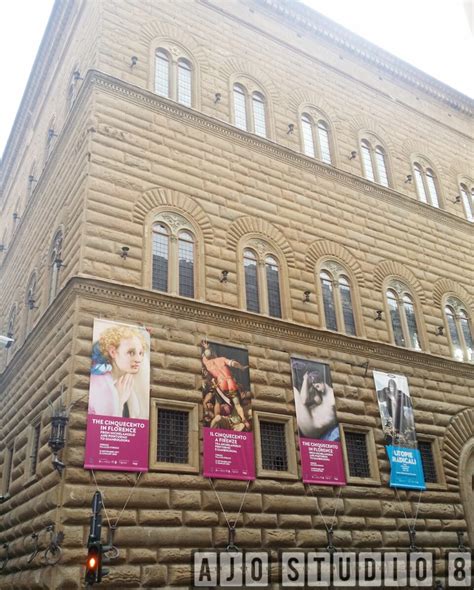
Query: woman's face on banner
column 128, row 356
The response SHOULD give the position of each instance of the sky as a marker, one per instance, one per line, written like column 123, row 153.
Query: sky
column 432, row 35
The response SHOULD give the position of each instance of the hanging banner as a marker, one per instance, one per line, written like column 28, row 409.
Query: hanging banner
column 119, row 398
column 228, row 446
column 319, row 435
column 398, row 424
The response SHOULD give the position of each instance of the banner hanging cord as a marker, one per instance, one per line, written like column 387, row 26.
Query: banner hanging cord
column 114, row 526
column 230, row 526
column 412, row 524
column 336, row 507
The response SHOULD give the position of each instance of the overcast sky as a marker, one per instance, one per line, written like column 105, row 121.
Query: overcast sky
column 433, row 35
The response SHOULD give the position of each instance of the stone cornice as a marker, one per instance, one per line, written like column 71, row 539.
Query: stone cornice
column 236, row 319
column 300, row 15
column 273, row 150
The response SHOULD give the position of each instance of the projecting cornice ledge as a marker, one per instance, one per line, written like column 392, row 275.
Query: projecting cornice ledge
column 303, row 16
column 271, row 149
column 239, row 320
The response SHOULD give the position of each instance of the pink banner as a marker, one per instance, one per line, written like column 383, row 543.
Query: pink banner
column 117, row 444
column 119, row 398
column 320, row 447
column 228, row 450
column 322, row 462
column 228, row 454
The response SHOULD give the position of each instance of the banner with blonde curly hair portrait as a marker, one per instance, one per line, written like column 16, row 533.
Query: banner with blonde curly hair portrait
column 119, row 398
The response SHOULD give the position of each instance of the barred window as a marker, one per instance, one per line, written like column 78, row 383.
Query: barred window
column 173, row 255
column 426, row 185
column 273, row 446
column 336, row 294
column 402, row 313
column 428, row 461
column 172, row 436
column 316, row 139
column 261, row 280
column 374, row 162
column 357, row 454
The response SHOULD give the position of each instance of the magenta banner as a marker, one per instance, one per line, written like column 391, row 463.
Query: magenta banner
column 228, row 451
column 119, row 398
column 320, row 442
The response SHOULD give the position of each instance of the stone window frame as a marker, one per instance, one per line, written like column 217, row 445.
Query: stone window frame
column 193, row 436
column 457, row 305
column 374, row 143
column 316, row 116
column 55, row 264
column 263, row 248
column 251, row 87
column 401, row 287
column 175, row 53
column 290, row 433
column 336, row 269
column 426, row 169
column 466, row 192
column 11, row 331
column 30, row 476
column 30, row 301
column 8, row 457
column 436, row 451
column 374, row 479
column 175, row 221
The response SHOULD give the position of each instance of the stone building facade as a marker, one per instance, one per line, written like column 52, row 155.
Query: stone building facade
column 252, row 125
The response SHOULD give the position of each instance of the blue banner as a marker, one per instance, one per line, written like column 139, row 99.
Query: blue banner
column 406, row 469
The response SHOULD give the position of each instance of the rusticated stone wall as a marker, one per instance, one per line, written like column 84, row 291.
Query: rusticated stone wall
column 125, row 154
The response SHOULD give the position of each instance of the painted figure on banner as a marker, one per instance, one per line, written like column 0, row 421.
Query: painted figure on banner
column 315, row 402
column 116, row 385
column 396, row 409
column 226, row 391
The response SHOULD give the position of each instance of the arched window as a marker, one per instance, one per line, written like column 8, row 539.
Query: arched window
column 55, row 261
column 402, row 314
column 184, row 82
column 459, row 330
column 173, row 256
column 240, row 107
column 162, row 73
column 316, row 143
column 336, row 294
column 467, row 197
column 262, row 280
column 249, row 110
column 426, row 185
column 374, row 162
column 173, row 77
column 30, row 302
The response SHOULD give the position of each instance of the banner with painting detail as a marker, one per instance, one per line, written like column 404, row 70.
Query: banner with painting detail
column 319, row 435
column 228, row 443
column 398, row 424
column 119, row 398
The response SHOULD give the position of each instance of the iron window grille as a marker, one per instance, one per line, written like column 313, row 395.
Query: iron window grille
column 173, row 436
column 273, row 446
column 357, row 454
